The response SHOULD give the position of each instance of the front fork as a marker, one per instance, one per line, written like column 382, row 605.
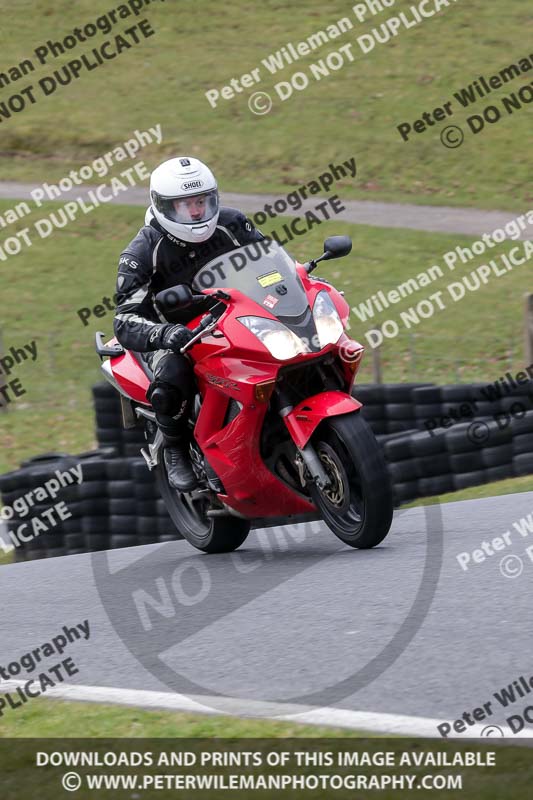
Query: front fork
column 302, row 421
column 307, row 457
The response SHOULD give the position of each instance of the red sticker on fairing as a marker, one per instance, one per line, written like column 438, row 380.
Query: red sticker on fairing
column 270, row 301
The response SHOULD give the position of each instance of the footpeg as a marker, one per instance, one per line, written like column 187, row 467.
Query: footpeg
column 150, row 463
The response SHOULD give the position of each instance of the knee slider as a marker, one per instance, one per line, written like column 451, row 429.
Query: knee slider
column 165, row 399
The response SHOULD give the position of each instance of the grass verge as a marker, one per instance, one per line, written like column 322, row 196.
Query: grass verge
column 55, row 718
column 496, row 489
column 353, row 111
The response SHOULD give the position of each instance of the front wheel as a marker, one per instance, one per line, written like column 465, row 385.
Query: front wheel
column 221, row 534
column 357, row 505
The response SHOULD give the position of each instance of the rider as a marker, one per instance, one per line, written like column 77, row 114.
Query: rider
column 184, row 230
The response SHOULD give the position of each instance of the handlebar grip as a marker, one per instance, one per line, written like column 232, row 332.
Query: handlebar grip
column 205, row 322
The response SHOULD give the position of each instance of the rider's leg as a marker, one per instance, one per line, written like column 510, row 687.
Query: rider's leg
column 171, row 393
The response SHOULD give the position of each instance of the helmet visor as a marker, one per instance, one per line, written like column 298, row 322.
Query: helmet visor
column 188, row 209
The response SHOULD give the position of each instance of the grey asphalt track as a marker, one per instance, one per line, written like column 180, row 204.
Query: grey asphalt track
column 294, row 613
column 438, row 219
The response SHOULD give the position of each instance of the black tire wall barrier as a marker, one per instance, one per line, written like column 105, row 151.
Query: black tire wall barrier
column 436, row 439
column 116, row 505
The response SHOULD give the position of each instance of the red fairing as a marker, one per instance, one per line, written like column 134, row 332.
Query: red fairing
column 130, row 375
column 307, row 415
column 313, row 286
column 233, row 450
column 351, row 352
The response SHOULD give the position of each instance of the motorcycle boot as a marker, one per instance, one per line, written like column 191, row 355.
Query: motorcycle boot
column 179, row 470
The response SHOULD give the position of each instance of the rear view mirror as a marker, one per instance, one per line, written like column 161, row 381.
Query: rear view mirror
column 337, row 247
column 179, row 296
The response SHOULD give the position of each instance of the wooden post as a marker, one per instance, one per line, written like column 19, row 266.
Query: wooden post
column 3, row 382
column 376, row 364
column 528, row 329
column 412, row 355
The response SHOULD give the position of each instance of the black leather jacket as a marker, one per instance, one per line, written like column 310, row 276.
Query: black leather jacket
column 154, row 261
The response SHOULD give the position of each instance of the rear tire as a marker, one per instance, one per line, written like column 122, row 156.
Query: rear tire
column 187, row 511
column 358, row 505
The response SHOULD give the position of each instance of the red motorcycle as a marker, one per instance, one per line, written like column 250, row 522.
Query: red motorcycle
column 276, row 435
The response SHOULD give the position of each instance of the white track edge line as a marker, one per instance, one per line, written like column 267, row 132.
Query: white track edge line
column 394, row 724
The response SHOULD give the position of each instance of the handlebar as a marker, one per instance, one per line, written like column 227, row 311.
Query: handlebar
column 210, row 320
column 204, row 323
column 217, row 295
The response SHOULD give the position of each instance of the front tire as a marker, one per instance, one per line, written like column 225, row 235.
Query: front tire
column 358, row 504
column 188, row 513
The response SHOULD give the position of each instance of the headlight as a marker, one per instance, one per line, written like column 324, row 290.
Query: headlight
column 327, row 321
column 281, row 342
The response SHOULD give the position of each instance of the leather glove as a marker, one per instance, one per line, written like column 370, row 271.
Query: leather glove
column 174, row 337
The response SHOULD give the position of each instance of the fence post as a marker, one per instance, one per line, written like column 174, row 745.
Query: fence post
column 376, row 364
column 528, row 328
column 412, row 355
column 3, row 382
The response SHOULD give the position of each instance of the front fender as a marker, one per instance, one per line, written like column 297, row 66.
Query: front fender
column 304, row 418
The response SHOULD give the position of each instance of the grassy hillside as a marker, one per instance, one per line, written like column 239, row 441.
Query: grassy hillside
column 475, row 339
column 353, row 112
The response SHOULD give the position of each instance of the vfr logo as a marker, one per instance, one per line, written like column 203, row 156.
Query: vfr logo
column 224, row 382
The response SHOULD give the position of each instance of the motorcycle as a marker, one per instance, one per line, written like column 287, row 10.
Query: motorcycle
column 275, row 433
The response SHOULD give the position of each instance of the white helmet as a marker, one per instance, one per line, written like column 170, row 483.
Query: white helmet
column 185, row 199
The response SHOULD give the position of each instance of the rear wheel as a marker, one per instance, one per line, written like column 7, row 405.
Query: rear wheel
column 188, row 511
column 358, row 504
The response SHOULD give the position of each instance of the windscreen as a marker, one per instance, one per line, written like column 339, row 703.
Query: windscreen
column 264, row 272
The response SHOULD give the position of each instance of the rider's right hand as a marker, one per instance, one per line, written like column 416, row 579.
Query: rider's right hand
column 175, row 337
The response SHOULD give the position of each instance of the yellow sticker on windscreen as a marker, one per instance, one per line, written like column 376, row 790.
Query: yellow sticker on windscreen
column 269, row 279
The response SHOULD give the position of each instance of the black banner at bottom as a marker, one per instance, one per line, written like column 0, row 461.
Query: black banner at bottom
column 265, row 768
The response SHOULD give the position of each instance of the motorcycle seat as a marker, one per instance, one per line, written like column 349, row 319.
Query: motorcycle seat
column 143, row 365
